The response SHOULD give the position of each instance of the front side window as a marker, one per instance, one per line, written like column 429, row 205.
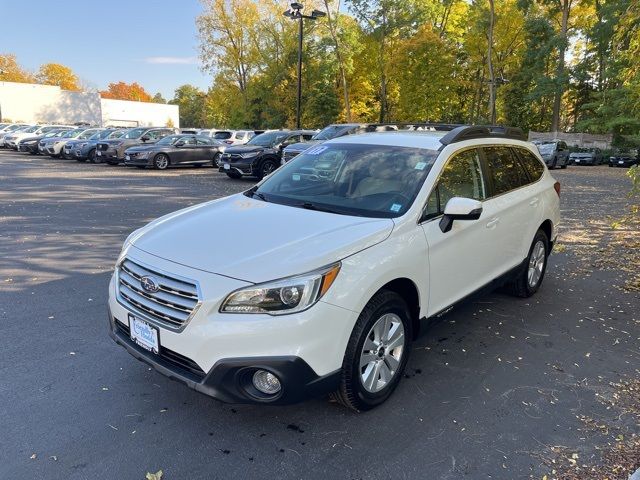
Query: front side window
column 506, row 172
column 532, row 165
column 135, row 133
column 461, row 177
column 268, row 139
column 352, row 179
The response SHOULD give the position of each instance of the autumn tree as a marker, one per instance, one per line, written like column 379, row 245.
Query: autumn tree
column 158, row 98
column 125, row 91
column 11, row 71
column 58, row 75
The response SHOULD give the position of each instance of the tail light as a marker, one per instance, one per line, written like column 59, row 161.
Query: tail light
column 556, row 187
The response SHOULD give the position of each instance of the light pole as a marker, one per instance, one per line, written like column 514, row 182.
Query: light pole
column 2, row 72
column 295, row 13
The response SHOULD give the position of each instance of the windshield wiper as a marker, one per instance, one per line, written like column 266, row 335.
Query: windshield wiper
column 253, row 192
column 317, row 208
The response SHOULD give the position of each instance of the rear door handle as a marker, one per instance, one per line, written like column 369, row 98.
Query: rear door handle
column 534, row 202
column 492, row 223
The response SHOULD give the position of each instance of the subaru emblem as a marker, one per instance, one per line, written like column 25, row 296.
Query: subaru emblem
column 149, row 284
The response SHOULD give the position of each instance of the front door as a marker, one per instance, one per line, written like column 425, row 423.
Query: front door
column 460, row 259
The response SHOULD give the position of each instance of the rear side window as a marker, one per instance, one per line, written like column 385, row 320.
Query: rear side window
column 531, row 164
column 461, row 177
column 506, row 172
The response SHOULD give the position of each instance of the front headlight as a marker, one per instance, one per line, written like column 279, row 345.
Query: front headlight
column 280, row 297
column 250, row 154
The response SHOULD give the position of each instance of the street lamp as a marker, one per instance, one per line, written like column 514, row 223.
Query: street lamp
column 295, row 13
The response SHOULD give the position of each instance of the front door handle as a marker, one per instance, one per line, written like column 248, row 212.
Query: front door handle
column 534, row 202
column 492, row 223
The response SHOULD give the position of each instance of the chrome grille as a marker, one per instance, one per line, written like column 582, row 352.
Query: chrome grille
column 173, row 303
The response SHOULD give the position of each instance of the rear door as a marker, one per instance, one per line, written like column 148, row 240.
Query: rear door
column 517, row 206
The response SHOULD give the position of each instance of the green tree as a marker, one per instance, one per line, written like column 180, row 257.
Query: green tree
column 191, row 101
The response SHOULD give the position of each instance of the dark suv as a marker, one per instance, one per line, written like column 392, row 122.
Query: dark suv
column 112, row 151
column 262, row 154
column 327, row 133
column 555, row 153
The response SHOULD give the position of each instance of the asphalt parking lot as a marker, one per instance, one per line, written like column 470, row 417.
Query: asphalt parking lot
column 490, row 391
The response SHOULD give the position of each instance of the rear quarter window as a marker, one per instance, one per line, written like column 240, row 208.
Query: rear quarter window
column 531, row 164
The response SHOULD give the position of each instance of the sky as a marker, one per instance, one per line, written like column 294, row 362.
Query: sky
column 152, row 42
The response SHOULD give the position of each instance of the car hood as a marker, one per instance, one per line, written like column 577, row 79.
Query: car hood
column 302, row 146
column 238, row 149
column 255, row 241
column 31, row 139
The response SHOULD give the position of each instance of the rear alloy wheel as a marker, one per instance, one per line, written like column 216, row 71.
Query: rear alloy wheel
column 161, row 161
column 529, row 280
column 267, row 167
column 376, row 354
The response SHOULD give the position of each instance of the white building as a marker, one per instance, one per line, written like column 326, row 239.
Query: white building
column 34, row 103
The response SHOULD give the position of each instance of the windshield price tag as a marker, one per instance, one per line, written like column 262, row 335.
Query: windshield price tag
column 420, row 165
column 395, row 207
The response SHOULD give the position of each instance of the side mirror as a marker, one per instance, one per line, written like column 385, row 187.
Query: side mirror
column 145, row 138
column 180, row 143
column 459, row 208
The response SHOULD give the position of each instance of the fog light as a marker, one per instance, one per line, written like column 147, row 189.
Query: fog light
column 266, row 382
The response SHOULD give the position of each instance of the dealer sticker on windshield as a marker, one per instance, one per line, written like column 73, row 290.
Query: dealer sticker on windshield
column 420, row 165
column 395, row 207
column 316, row 150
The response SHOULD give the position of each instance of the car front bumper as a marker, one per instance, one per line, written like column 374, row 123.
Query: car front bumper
column 243, row 168
column 622, row 163
column 215, row 352
column 137, row 161
column 109, row 155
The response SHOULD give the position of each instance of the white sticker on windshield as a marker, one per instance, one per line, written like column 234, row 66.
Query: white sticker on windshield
column 316, row 150
column 420, row 165
column 295, row 177
column 395, row 207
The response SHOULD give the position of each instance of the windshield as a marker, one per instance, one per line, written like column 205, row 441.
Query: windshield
column 15, row 127
column 135, row 133
column 100, row 135
column 268, row 139
column 328, row 133
column 73, row 133
column 117, row 134
column 31, row 129
column 53, row 133
column 222, row 135
column 546, row 148
column 362, row 180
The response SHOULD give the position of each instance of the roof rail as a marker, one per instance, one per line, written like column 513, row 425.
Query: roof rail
column 428, row 126
column 469, row 132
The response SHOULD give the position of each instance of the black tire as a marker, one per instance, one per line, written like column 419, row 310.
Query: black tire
column 234, row 175
column 266, row 168
column 216, row 159
column 563, row 166
column 81, row 160
column 520, row 286
column 161, row 161
column 352, row 393
column 91, row 156
column 112, row 162
column 554, row 164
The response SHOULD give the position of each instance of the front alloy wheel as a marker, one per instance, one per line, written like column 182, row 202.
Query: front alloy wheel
column 267, row 167
column 376, row 354
column 382, row 352
column 161, row 161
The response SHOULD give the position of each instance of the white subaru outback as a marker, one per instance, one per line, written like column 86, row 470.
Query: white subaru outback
column 316, row 280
